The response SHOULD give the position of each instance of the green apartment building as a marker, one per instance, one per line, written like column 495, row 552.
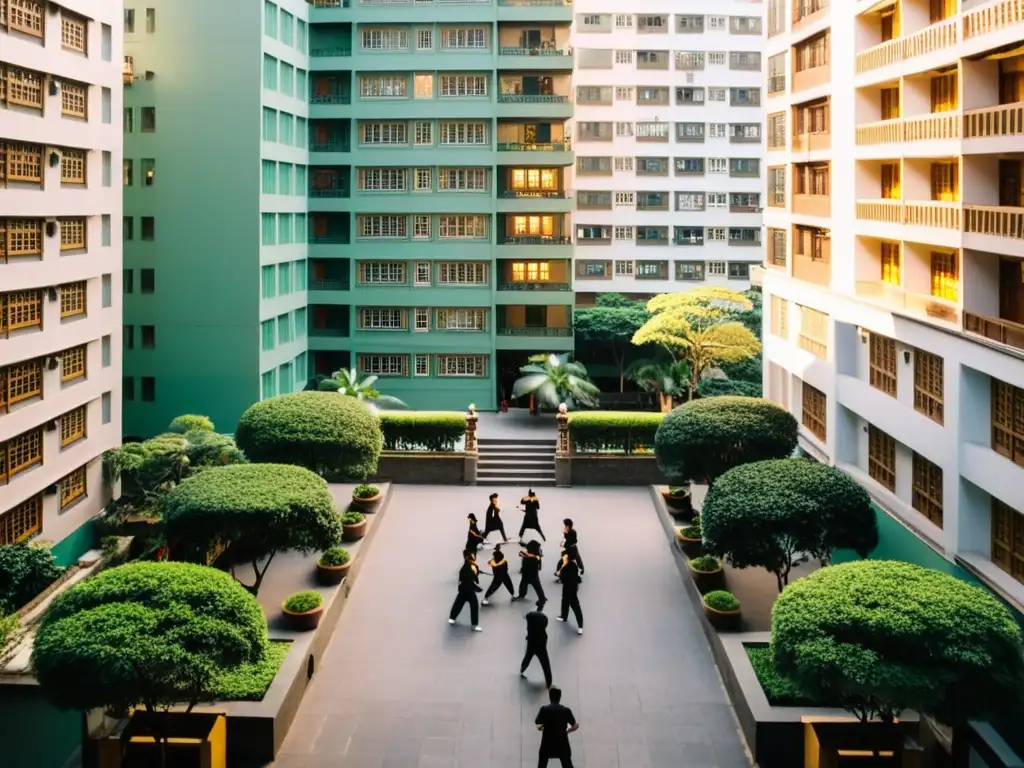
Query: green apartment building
column 375, row 184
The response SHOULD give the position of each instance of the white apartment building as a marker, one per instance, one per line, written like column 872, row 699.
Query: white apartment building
column 60, row 266
column 894, row 297
column 667, row 135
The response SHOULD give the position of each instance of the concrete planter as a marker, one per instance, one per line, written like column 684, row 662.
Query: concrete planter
column 723, row 621
column 198, row 738
column 416, row 468
column 306, row 621
column 707, row 581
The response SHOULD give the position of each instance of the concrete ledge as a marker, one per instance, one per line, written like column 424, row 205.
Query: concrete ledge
column 415, row 468
column 611, row 469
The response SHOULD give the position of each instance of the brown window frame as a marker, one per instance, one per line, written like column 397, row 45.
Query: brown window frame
column 929, row 383
column 882, row 457
column 926, row 489
column 1007, row 418
column 22, row 521
column 883, row 368
column 814, row 411
column 1007, row 539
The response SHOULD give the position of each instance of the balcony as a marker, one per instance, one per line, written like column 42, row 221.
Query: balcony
column 549, row 146
column 534, row 240
column 935, row 37
column 813, row 205
column 329, row 229
column 811, row 270
column 524, row 286
column 531, row 48
column 335, row 88
column 811, row 142
column 931, row 214
column 935, row 127
column 1003, row 120
column 328, row 183
column 994, row 221
column 535, row 332
column 882, row 132
column 894, row 298
column 1004, row 332
column 884, row 211
column 992, row 17
column 331, row 51
column 525, row 11
column 328, row 275
column 531, row 97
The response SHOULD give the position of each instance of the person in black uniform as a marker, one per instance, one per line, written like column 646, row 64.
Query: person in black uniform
column 570, row 591
column 537, row 644
column 492, row 519
column 469, row 585
column 570, row 542
column 531, row 508
column 499, row 572
column 530, row 571
column 555, row 722
column 473, row 538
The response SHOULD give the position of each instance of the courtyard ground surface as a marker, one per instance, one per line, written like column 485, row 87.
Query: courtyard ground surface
column 400, row 688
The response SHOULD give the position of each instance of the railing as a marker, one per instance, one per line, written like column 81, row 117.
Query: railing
column 534, row 51
column 994, row 220
column 512, row 194
column 536, row 240
column 883, row 132
column 808, row 142
column 992, row 17
column 328, row 192
column 328, row 239
column 921, row 305
column 550, row 146
column 1003, row 331
column 776, row 84
column 739, row 243
column 329, row 285
column 331, row 98
column 682, row 240
column 320, row 53
column 1003, row 120
column 532, row 98
column 524, row 331
column 329, row 3
column 816, row 271
column 335, row 332
column 886, row 211
column 931, row 38
column 330, row 146
column 932, row 214
column 942, row 125
column 534, row 286
column 882, row 55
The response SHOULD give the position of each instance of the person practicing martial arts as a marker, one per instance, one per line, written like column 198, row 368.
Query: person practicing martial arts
column 492, row 519
column 555, row 722
column 530, row 570
column 474, row 538
column 531, row 521
column 537, row 644
column 469, row 585
column 571, row 541
column 499, row 572
column 571, row 590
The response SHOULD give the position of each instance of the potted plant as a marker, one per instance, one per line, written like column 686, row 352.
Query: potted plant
column 353, row 526
column 722, row 609
column 707, row 573
column 679, row 502
column 365, row 498
column 303, row 610
column 690, row 539
column 333, row 565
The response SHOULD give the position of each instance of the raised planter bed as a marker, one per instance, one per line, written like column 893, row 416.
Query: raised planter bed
column 425, row 468
column 610, row 469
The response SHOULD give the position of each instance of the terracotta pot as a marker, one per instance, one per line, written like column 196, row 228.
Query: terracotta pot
column 725, row 621
column 329, row 575
column 354, row 532
column 707, row 581
column 681, row 506
column 304, row 622
column 691, row 547
column 366, row 505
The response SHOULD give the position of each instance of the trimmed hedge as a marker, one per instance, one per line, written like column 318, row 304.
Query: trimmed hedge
column 25, row 571
column 434, row 431
column 878, row 637
column 622, row 432
column 727, row 387
column 336, row 437
column 702, row 439
column 190, row 422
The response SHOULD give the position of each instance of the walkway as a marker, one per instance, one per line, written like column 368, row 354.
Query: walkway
column 517, row 424
column 400, row 688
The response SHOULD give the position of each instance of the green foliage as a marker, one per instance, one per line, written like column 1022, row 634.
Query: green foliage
column 878, row 637
column 25, row 571
column 329, row 385
column 720, row 600
column 249, row 682
column 146, row 634
column 8, row 626
column 705, row 564
column 702, row 439
column 667, row 377
column 691, row 532
column 334, row 557
column 339, row 437
column 109, row 545
column 613, row 431
column 777, row 514
column 209, row 449
column 303, row 602
column 257, row 509
column 728, row 387
column 349, row 384
column 555, row 379
column 190, row 423
column 750, row 369
column 611, row 322
column 434, row 431
column 779, row 689
column 351, row 517
column 364, row 491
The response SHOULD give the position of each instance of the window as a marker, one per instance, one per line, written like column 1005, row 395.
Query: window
column 105, row 407
column 72, row 487
column 383, row 226
column 812, row 53
column 21, row 382
column 72, row 426
column 423, row 179
column 745, row 131
column 689, row 270
column 780, row 318
column 269, row 19
column 149, row 337
column 624, row 57
column 469, row 179
column 106, row 291
column 814, row 332
column 420, row 319
column 1007, row 539
column 463, row 133
column 383, row 133
column 74, row 100
column 739, row 270
column 377, row 272
column 284, row 329
column 813, row 412
column 384, row 365
column 926, row 489
column 623, row 93
column 423, row 86
column 890, row 261
column 464, row 38
column 690, row 132
column 148, row 389
column 385, row 39
column 383, row 87
column 268, row 335
column 147, row 280
column 1007, row 414
column 422, row 273
column 423, row 133
column 461, row 273
column 716, row 268
column 129, row 21
column 689, row 236
column 72, row 299
column 421, row 365
column 421, row 227
column 128, row 281
column 811, row 179
column 461, row 365
column 72, row 167
column 883, row 364
column 689, row 96
column 690, row 201
column 269, row 177
column 378, row 319
column 269, row 72
column 72, row 362
column 745, row 97
column 928, row 385
column 651, row 270
column 945, row 282
column 383, row 179
column 462, row 227
column 425, row 40
column 881, row 458
column 269, row 124
column 460, row 320
column 148, row 115
column 623, row 233
column 531, row 271
column 623, row 268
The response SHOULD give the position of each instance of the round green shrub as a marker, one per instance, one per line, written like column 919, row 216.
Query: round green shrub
column 25, row 571
column 334, row 557
column 328, row 385
column 190, row 423
column 702, row 439
column 879, row 637
column 691, row 532
column 337, row 437
column 151, row 634
column 720, row 600
column 727, row 387
column 303, row 602
column 210, row 449
column 775, row 514
column 365, row 491
column 705, row 564
column 352, row 517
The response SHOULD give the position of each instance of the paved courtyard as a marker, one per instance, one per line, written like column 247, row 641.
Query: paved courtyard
column 400, row 688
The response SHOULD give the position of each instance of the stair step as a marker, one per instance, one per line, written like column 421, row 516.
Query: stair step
column 517, row 457
column 540, row 467
column 516, row 481
column 488, row 441
column 514, row 453
column 518, row 473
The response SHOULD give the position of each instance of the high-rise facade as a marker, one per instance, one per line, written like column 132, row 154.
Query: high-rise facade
column 668, row 141
column 60, row 266
column 894, row 291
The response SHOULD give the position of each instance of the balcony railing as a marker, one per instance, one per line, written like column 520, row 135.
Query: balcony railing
column 512, row 194
column 329, row 3
column 886, row 211
column 329, row 146
column 329, row 239
column 536, row 240
column 921, row 305
column 550, row 146
column 329, row 332
column 544, row 49
column 328, row 192
column 534, row 286
column 776, row 84
column 339, row 284
column 932, row 214
column 531, row 98
column 882, row 55
column 942, row 125
column 816, row 271
column 1004, row 120
column 539, row 331
column 994, row 221
column 1002, row 331
column 932, row 38
column 807, row 142
column 992, row 17
column 882, row 132
column 321, row 53
column 331, row 98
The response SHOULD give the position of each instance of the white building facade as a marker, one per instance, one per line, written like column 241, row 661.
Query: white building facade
column 668, row 143
column 894, row 298
column 60, row 266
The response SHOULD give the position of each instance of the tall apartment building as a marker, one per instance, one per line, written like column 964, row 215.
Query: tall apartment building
column 893, row 279
column 669, row 151
column 60, row 262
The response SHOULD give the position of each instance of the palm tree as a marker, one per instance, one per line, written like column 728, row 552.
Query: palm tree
column 347, row 382
column 670, row 379
column 554, row 379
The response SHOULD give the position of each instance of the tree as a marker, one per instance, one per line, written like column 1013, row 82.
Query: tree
column 611, row 322
column 347, row 382
column 880, row 637
column 720, row 387
column 778, row 514
column 702, row 439
column 555, row 379
column 25, row 571
column 696, row 327
column 190, row 423
column 667, row 378
column 146, row 635
column 256, row 511
column 339, row 437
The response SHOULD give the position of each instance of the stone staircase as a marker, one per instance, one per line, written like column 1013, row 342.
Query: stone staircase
column 516, row 461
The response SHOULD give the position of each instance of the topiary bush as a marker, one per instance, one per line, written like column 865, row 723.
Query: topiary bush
column 727, row 387
column 258, row 510
column 190, row 423
column 878, row 637
column 334, row 557
column 336, row 437
column 777, row 514
column 435, row 431
column 210, row 449
column 303, row 602
column 364, row 491
column 351, row 517
column 25, row 571
column 146, row 635
column 705, row 564
column 702, row 439
column 613, row 431
column 720, row 600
